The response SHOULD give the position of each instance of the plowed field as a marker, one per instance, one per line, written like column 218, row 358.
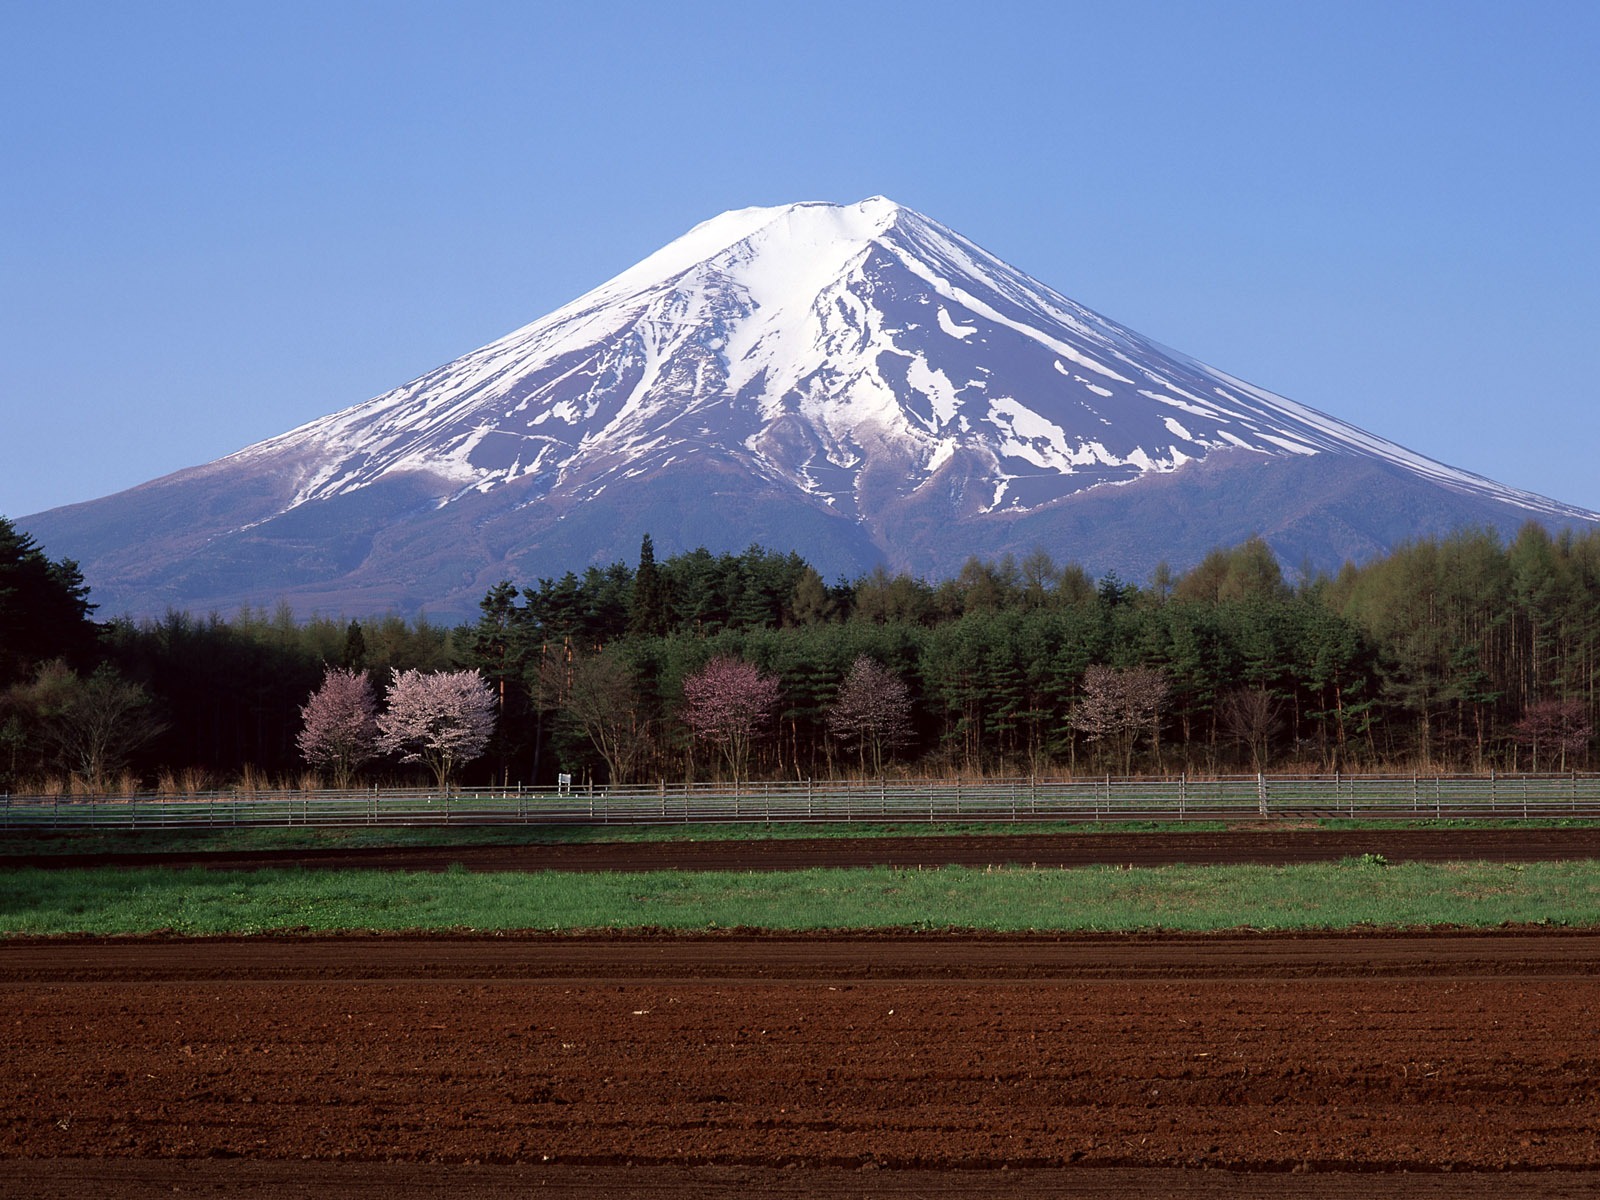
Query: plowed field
column 871, row 1066
column 1450, row 1064
column 1270, row 845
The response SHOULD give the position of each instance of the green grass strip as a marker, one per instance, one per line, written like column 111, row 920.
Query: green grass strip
column 1357, row 892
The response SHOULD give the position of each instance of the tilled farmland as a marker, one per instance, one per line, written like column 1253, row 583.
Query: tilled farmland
column 892, row 1064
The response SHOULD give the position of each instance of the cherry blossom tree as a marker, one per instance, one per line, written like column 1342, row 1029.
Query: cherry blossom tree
column 872, row 712
column 340, row 724
column 439, row 718
column 1554, row 729
column 1118, row 706
column 728, row 703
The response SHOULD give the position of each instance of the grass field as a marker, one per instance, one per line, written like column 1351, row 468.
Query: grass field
column 1356, row 892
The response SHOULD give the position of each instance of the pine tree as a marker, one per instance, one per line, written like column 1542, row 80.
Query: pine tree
column 44, row 607
column 354, row 657
column 647, row 614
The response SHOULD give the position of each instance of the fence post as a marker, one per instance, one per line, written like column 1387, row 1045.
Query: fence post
column 1261, row 792
column 1183, row 795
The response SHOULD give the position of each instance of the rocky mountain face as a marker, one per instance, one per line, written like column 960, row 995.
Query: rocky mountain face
column 856, row 383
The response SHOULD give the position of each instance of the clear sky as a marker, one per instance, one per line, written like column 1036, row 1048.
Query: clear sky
column 221, row 220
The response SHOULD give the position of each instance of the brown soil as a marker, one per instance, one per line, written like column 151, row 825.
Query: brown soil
column 1231, row 1065
column 1271, row 845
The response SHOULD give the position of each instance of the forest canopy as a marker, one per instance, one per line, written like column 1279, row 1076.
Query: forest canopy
column 1462, row 653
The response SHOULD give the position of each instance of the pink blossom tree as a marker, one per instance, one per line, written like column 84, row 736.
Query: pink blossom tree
column 872, row 712
column 1119, row 706
column 340, row 724
column 728, row 703
column 439, row 718
column 1554, row 729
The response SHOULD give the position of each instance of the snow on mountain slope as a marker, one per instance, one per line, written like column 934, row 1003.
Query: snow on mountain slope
column 856, row 383
column 812, row 342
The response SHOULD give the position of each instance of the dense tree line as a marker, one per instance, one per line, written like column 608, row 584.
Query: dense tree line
column 208, row 700
column 1463, row 653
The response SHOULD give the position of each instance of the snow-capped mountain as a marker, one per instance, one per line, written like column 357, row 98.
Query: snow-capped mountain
column 857, row 383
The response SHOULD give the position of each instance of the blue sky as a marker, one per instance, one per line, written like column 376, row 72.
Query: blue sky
column 220, row 221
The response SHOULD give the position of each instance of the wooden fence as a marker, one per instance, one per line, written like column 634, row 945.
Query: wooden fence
column 1172, row 798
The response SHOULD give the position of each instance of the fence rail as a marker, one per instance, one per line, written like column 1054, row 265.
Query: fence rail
column 1172, row 798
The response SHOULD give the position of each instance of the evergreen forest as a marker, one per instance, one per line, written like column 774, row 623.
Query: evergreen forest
column 1466, row 654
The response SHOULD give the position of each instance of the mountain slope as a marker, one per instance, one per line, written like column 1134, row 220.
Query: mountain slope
column 856, row 382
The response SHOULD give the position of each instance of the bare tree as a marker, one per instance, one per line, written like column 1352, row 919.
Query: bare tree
column 1119, row 706
column 88, row 726
column 1254, row 716
column 600, row 696
column 728, row 703
column 439, row 718
column 340, row 724
column 872, row 712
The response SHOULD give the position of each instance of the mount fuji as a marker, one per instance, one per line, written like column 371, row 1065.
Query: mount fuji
column 857, row 383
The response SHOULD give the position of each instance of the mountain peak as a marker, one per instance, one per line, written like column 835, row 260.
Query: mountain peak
column 748, row 234
column 859, row 374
